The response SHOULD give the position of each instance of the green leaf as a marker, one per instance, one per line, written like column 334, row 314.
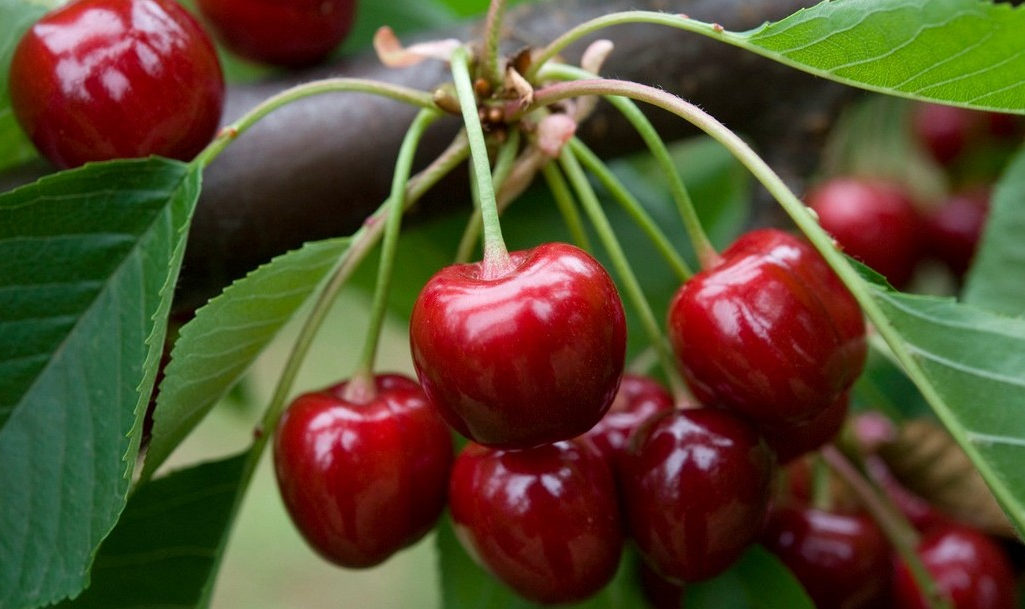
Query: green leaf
column 997, row 277
column 965, row 52
column 464, row 585
column 165, row 550
column 969, row 364
column 88, row 262
column 215, row 348
column 757, row 581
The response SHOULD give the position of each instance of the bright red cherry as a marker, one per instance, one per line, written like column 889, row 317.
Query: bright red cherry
column 280, row 32
column 945, row 131
column 955, row 227
column 842, row 560
column 531, row 356
column 543, row 520
column 639, row 398
column 873, row 221
column 791, row 440
column 769, row 331
column 101, row 79
column 971, row 570
column 696, row 485
column 363, row 480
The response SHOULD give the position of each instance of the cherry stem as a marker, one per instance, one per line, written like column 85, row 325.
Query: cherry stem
column 362, row 387
column 496, row 256
column 492, row 35
column 328, row 85
column 567, row 206
column 707, row 256
column 589, row 27
column 631, row 285
column 821, row 496
column 632, row 207
column 895, row 526
column 503, row 166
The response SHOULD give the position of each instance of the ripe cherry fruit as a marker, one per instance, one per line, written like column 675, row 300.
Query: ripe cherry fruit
column 842, row 560
column 769, row 331
column 543, row 520
column 791, row 440
column 955, row 227
column 968, row 568
column 288, row 33
column 363, row 480
column 531, row 356
column 101, row 79
column 638, row 399
column 696, row 485
column 873, row 221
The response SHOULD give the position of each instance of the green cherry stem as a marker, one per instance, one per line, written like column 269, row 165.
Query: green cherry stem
column 567, row 206
column 632, row 287
column 362, row 387
column 492, row 34
column 328, row 85
column 496, row 256
column 503, row 166
column 632, row 207
column 895, row 526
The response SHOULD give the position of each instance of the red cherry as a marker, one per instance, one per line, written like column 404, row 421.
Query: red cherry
column 103, row 79
column 873, row 221
column 362, row 481
column 532, row 356
column 843, row 561
column 792, row 440
column 544, row 520
column 769, row 331
column 659, row 591
column 955, row 227
column 696, row 485
column 971, row 570
column 639, row 398
column 280, row 32
column 945, row 131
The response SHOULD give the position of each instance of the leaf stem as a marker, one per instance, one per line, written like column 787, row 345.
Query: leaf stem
column 631, row 285
column 328, row 85
column 496, row 256
column 633, row 207
column 492, row 35
column 362, row 386
column 567, row 206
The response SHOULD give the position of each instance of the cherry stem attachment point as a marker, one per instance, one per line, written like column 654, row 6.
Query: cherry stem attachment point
column 362, row 386
column 496, row 256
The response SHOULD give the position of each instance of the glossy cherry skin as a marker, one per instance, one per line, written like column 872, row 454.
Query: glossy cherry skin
column 873, row 221
column 769, row 331
column 362, row 481
column 280, row 32
column 790, row 440
column 696, row 485
column 103, row 79
column 842, row 560
column 955, row 227
column 638, row 399
column 532, row 356
column 543, row 520
column 967, row 566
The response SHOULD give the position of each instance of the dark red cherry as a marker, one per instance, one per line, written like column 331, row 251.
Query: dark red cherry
column 955, row 227
column 873, row 221
column 945, row 131
column 531, row 356
column 968, row 567
column 101, row 79
column 769, row 331
column 638, row 398
column 790, row 440
column 842, row 560
column 280, row 32
column 696, row 485
column 543, row 520
column 659, row 591
column 362, row 481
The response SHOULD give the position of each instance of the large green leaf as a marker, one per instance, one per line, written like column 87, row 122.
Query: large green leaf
column 165, row 549
column 88, row 261
column 966, row 52
column 997, row 277
column 218, row 345
column 757, row 581
column 464, row 585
